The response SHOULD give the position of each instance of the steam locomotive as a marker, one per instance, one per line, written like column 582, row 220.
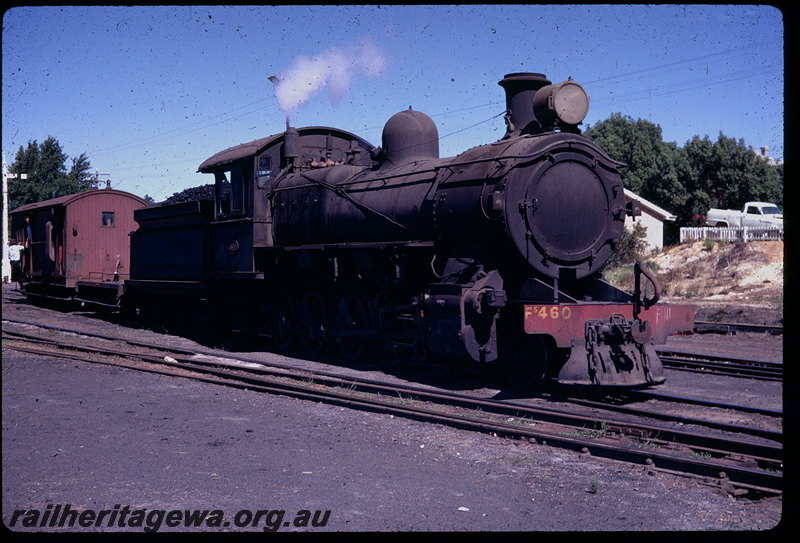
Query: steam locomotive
column 317, row 239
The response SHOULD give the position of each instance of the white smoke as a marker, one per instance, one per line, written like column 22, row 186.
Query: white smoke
column 333, row 68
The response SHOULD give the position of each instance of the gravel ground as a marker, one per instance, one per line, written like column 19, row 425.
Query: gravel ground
column 95, row 437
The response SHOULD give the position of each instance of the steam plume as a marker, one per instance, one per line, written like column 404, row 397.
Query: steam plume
column 333, row 68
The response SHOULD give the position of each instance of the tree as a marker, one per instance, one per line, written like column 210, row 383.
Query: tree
column 730, row 173
column 687, row 181
column 79, row 175
column 48, row 177
column 651, row 164
column 630, row 247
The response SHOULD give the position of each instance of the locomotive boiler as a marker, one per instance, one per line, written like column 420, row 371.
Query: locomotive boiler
column 492, row 256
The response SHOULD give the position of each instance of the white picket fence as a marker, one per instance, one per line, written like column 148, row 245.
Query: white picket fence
column 742, row 233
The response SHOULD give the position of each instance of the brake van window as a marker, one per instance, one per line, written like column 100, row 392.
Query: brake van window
column 108, row 218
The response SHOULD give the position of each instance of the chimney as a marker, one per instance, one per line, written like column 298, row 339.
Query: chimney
column 291, row 145
column 520, row 90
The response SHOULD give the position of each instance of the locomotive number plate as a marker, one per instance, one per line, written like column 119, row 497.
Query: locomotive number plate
column 547, row 312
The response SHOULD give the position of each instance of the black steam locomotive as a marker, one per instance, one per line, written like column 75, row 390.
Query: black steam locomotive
column 318, row 239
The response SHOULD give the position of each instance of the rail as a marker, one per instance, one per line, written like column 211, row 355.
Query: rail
column 728, row 328
column 735, row 463
column 742, row 233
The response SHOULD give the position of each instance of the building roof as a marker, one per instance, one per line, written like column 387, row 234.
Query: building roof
column 68, row 199
column 653, row 208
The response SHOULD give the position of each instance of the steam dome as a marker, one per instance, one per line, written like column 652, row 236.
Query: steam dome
column 409, row 136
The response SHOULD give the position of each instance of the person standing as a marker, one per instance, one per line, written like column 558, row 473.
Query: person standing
column 15, row 251
column 26, row 262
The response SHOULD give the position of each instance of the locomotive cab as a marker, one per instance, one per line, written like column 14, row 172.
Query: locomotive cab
column 247, row 175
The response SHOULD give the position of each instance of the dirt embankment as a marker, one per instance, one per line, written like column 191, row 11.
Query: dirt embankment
column 727, row 282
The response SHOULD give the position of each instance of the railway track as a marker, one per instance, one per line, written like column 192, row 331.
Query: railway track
column 739, row 460
column 722, row 365
column 733, row 327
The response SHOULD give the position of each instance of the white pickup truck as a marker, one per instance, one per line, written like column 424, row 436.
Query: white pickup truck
column 762, row 214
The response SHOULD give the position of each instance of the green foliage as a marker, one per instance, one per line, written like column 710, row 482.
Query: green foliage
column 730, row 173
column 687, row 181
column 48, row 177
column 630, row 248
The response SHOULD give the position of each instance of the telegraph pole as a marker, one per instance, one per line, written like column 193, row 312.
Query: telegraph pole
column 97, row 179
column 6, row 177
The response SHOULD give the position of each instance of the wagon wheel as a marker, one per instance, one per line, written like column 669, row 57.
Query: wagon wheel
column 277, row 326
column 387, row 354
column 525, row 362
column 313, row 322
column 350, row 317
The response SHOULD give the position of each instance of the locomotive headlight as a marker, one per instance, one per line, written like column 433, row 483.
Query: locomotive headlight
column 562, row 103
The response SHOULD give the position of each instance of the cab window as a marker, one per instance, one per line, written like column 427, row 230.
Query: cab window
column 232, row 190
column 263, row 171
column 222, row 193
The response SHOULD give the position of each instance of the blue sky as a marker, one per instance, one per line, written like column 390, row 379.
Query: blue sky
column 148, row 93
